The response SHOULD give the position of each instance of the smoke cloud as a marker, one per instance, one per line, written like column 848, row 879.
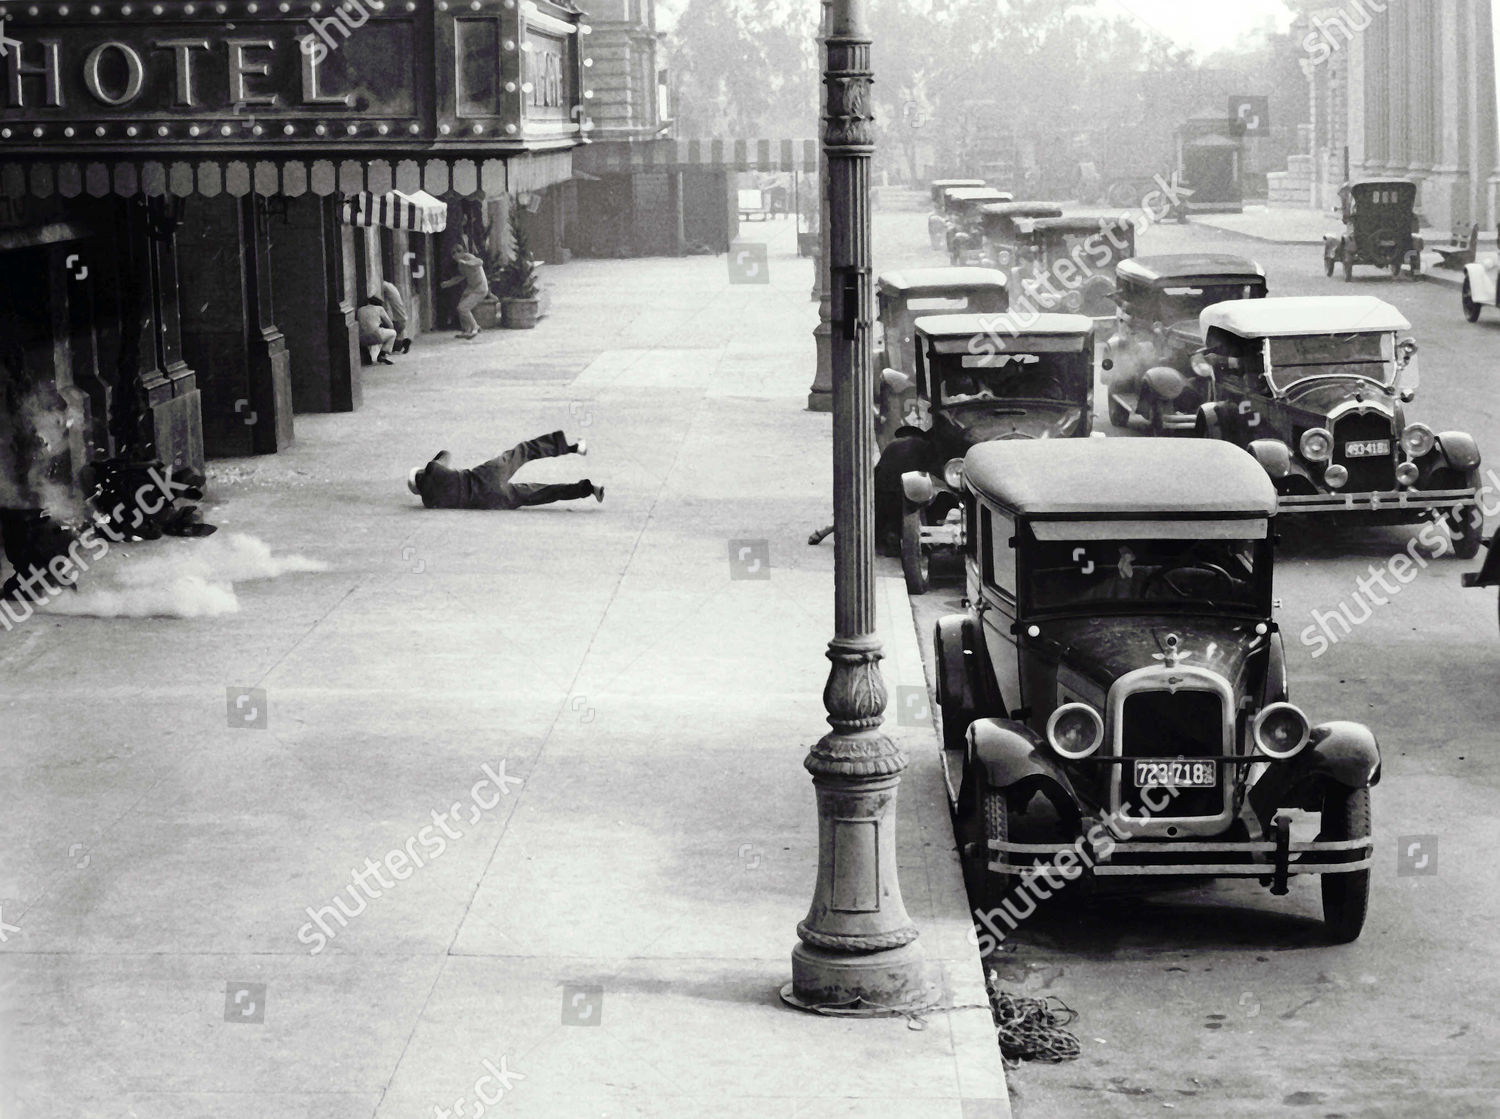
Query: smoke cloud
column 176, row 578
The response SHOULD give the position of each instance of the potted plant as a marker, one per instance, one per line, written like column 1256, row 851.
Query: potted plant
column 518, row 280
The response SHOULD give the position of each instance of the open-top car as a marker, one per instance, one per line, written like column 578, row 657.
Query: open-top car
column 965, row 238
column 1380, row 228
column 1119, row 657
column 1148, row 360
column 937, row 221
column 1068, row 264
column 997, row 223
column 1315, row 389
column 1481, row 286
column 905, row 296
column 978, row 377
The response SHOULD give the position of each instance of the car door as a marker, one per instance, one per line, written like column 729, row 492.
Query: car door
column 997, row 577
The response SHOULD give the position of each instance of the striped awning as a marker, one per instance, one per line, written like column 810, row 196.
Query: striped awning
column 624, row 157
column 418, row 212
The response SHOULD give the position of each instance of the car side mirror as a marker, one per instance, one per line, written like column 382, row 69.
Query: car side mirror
column 1408, row 395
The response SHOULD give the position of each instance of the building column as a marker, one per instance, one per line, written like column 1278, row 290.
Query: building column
column 1450, row 187
column 314, row 307
column 1398, row 117
column 1480, row 22
column 228, row 328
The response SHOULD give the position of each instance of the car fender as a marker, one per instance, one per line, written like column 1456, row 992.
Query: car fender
column 1165, row 382
column 1482, row 283
column 1345, row 754
column 1459, row 449
column 1013, row 758
column 960, row 660
column 1210, row 425
column 1274, row 455
column 1332, row 245
column 918, row 487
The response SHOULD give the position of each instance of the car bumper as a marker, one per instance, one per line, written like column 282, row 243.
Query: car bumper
column 1167, row 858
column 1413, row 501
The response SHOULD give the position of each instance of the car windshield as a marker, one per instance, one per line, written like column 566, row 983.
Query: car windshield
column 1186, row 301
column 976, row 378
column 1097, row 575
column 1371, row 356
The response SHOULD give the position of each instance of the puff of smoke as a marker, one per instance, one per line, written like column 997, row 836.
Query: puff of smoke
column 176, row 578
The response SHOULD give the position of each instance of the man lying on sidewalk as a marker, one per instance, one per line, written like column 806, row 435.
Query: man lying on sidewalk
column 489, row 486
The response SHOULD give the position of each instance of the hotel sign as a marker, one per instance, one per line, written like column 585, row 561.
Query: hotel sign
column 394, row 74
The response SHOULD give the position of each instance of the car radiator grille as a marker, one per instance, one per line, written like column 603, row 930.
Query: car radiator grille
column 1366, row 474
column 1187, row 724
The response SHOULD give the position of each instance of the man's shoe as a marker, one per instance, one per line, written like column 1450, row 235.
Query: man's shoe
column 581, row 447
column 384, row 359
column 599, row 494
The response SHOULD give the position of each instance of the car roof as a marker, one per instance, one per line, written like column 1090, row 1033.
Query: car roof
column 1380, row 183
column 1023, row 209
column 958, row 326
column 1060, row 224
column 1185, row 266
column 958, row 182
column 920, row 279
column 1109, row 477
column 976, row 194
column 1304, row 316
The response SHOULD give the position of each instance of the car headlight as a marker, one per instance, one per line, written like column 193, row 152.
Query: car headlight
column 1202, row 367
column 1075, row 730
column 1317, row 444
column 1004, row 258
column 953, row 473
column 1073, row 301
column 1281, row 730
column 1418, row 439
column 1336, row 477
column 1407, row 474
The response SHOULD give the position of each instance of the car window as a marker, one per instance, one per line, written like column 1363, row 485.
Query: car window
column 977, row 378
column 1186, row 301
column 1371, row 356
column 1000, row 553
column 1072, row 576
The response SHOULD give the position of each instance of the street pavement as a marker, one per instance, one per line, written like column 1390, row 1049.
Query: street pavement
column 579, row 729
column 1221, row 1000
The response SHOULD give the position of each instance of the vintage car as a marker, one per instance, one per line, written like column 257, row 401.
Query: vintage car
column 904, row 297
column 1481, row 286
column 1148, row 360
column 1314, row 388
column 1068, row 264
column 1119, row 656
column 1380, row 228
column 979, row 377
column 965, row 238
column 997, row 223
column 1488, row 574
column 937, row 221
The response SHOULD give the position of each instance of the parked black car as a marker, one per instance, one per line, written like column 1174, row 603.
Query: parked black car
column 1119, row 657
column 1380, row 228
column 1148, row 360
column 1315, row 389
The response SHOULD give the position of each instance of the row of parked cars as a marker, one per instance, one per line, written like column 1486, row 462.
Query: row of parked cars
column 1118, row 657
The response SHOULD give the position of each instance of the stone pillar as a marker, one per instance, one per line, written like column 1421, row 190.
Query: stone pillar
column 228, row 330
column 1485, row 145
column 1450, row 187
column 1398, row 118
column 857, row 952
column 313, row 306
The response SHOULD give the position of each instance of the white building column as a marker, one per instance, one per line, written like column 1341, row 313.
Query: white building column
column 1398, row 116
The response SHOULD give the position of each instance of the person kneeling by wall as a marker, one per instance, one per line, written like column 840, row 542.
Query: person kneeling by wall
column 489, row 485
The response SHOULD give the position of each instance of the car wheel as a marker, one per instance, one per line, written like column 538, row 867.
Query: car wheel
column 1119, row 415
column 1346, row 897
column 1396, row 269
column 914, row 561
column 1328, row 264
column 1467, row 526
column 1348, row 268
column 1471, row 309
column 997, row 830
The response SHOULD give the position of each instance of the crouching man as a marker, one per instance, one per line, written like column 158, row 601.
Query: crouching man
column 489, row 486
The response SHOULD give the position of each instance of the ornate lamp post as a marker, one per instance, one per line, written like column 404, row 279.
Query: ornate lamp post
column 858, row 950
column 820, row 396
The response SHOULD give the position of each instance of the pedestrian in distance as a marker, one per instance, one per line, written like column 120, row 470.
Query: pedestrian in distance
column 489, row 485
column 395, row 304
column 476, row 290
column 376, row 328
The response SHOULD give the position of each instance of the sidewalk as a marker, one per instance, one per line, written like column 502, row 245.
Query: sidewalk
column 645, row 874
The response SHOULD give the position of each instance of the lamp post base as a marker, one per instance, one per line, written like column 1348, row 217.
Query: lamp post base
column 861, row 985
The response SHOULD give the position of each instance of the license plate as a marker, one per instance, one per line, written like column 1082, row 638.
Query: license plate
column 1179, row 774
column 1369, row 448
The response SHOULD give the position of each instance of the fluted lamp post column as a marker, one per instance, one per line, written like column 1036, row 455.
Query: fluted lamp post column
column 858, row 952
column 820, row 395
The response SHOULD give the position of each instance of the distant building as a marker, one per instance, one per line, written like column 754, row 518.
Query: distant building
column 1403, row 89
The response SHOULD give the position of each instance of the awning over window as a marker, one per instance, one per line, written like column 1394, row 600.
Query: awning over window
column 614, row 157
column 418, row 212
